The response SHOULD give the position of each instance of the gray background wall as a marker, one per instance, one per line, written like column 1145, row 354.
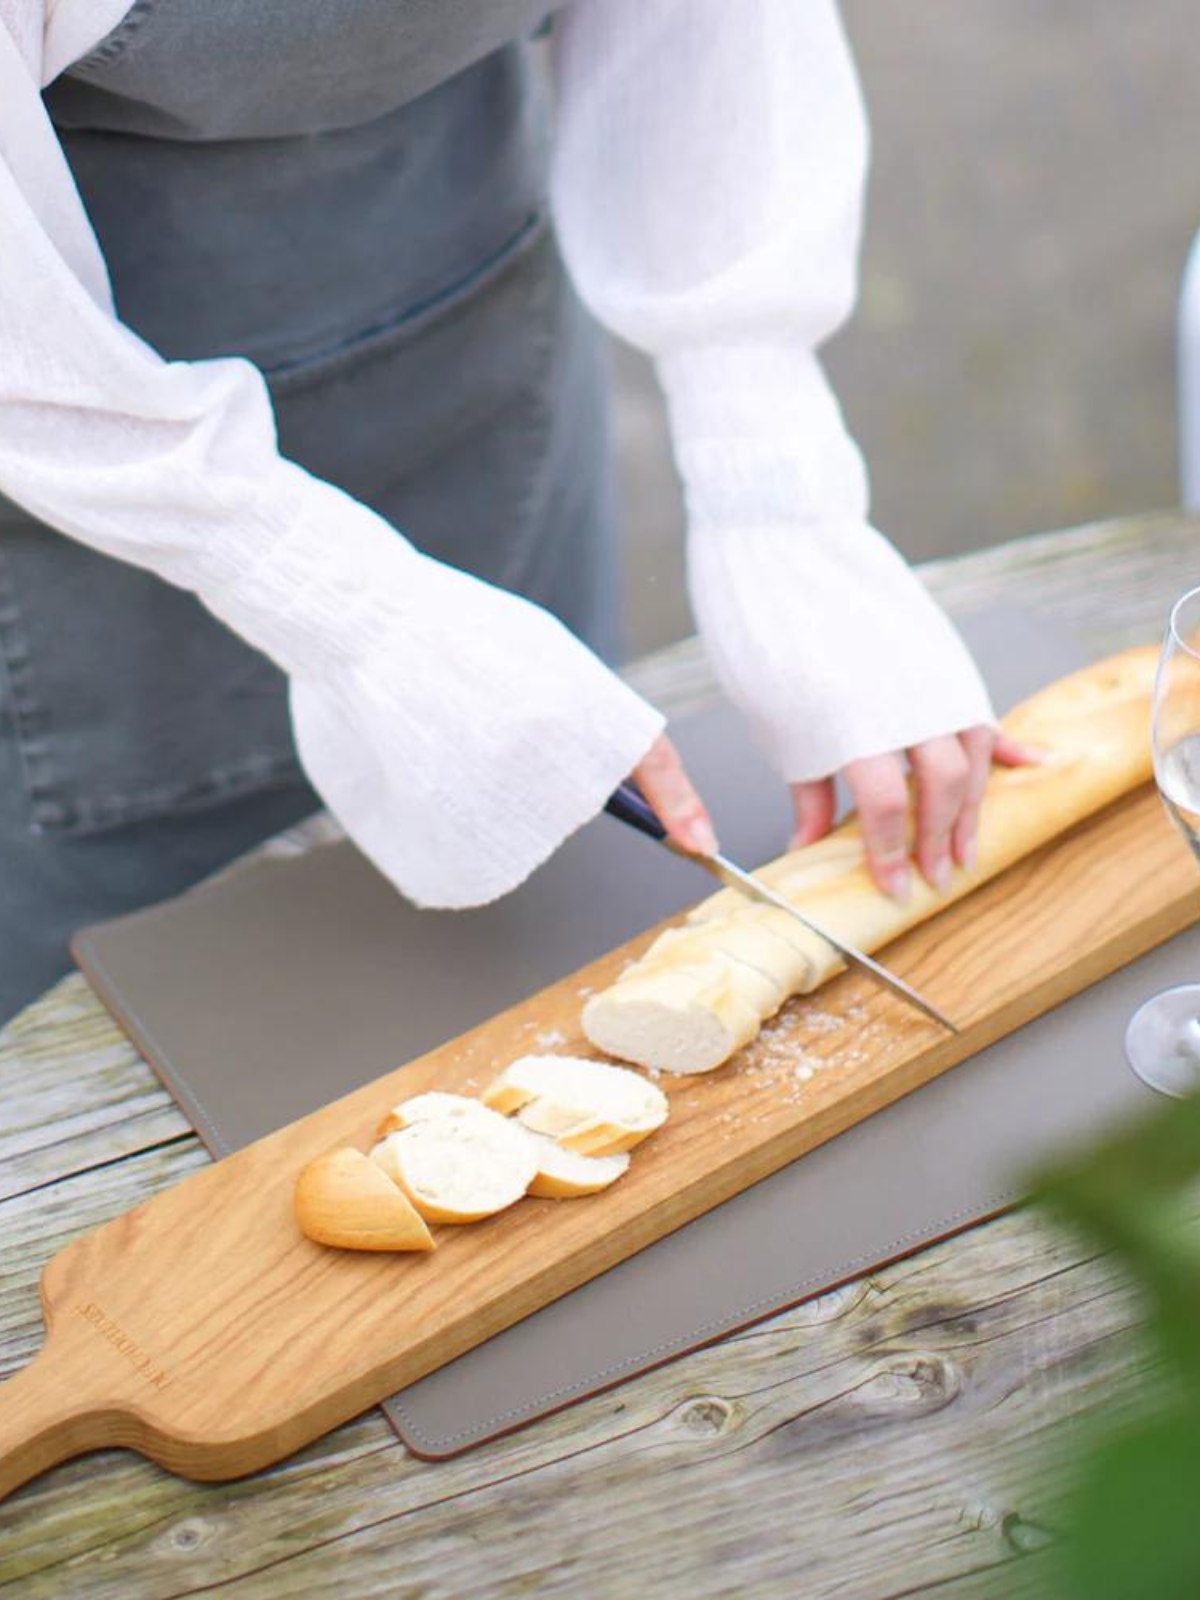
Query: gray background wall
column 1035, row 186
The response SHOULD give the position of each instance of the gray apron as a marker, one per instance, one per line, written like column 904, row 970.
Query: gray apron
column 351, row 194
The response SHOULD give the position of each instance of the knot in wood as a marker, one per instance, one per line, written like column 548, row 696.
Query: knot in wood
column 190, row 1533
column 1022, row 1535
column 709, row 1414
column 923, row 1383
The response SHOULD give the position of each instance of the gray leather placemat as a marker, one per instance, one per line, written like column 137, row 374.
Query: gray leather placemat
column 261, row 996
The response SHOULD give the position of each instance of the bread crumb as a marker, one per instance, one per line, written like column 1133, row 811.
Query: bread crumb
column 822, row 1021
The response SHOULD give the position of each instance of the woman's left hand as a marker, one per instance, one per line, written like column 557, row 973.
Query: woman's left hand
column 950, row 775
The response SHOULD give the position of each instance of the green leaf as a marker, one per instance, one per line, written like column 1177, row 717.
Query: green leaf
column 1135, row 1520
column 1155, row 1154
column 1127, row 1194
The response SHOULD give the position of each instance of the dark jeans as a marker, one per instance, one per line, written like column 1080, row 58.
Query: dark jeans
column 52, row 884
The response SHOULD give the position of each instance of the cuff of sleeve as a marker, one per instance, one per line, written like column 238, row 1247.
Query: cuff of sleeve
column 830, row 644
column 759, row 436
column 461, row 828
column 462, row 753
column 458, row 733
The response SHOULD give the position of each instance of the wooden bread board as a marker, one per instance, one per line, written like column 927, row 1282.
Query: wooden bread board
column 204, row 1330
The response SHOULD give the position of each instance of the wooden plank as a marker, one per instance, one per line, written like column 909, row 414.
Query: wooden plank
column 75, row 1094
column 203, row 1329
column 876, row 1440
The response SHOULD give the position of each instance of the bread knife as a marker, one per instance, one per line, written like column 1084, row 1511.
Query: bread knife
column 630, row 806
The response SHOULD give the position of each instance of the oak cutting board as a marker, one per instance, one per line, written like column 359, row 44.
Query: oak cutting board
column 202, row 1329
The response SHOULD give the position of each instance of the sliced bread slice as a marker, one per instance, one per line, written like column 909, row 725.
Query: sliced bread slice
column 745, row 944
column 342, row 1198
column 562, row 1174
column 681, row 1022
column 459, row 1168
column 591, row 1107
column 435, row 1105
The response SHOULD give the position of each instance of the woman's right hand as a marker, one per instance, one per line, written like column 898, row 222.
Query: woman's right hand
column 662, row 778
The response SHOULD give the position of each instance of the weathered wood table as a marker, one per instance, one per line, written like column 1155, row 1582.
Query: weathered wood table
column 895, row 1437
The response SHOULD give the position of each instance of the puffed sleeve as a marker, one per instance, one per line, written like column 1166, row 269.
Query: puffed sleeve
column 708, row 181
column 457, row 732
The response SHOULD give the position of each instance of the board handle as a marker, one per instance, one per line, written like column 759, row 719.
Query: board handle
column 44, row 1420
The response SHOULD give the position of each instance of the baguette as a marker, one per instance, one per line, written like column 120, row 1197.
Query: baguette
column 459, row 1168
column 436, row 1105
column 561, row 1174
column 692, row 1001
column 591, row 1107
column 341, row 1198
column 564, row 1174
column 449, row 1158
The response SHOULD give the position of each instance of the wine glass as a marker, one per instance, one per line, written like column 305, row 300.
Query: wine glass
column 1162, row 1041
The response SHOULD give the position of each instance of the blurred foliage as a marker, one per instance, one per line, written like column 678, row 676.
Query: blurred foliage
column 1133, row 1519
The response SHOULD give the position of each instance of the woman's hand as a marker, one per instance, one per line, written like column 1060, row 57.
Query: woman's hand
column 661, row 777
column 950, row 775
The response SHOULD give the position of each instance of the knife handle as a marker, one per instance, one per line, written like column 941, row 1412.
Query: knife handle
column 628, row 804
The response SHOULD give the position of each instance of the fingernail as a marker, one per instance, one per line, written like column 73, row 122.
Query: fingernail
column 971, row 854
column 899, row 883
column 941, row 874
column 701, row 838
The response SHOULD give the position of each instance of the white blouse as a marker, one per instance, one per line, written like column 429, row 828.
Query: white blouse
column 707, row 187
